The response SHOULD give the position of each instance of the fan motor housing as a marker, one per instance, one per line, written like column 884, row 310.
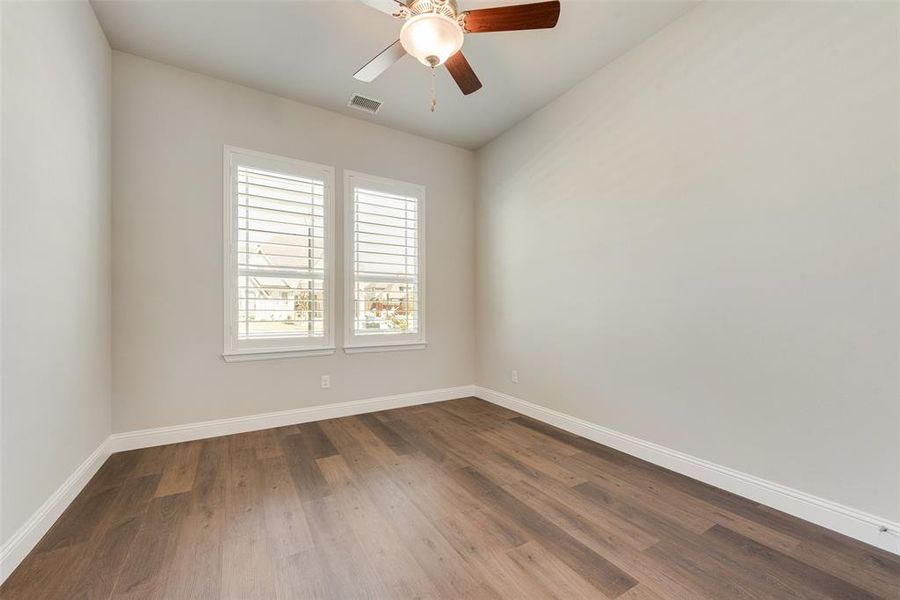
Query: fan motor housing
column 448, row 8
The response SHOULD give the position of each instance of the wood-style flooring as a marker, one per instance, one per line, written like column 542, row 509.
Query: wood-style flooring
column 458, row 499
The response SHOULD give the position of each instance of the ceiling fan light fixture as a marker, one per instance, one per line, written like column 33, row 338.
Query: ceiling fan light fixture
column 431, row 37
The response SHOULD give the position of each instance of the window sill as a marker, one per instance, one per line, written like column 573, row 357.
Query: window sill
column 270, row 354
column 384, row 348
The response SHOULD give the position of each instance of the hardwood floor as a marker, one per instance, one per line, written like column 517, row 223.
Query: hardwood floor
column 459, row 499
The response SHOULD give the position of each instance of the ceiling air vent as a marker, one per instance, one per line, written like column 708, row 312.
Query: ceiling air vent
column 360, row 102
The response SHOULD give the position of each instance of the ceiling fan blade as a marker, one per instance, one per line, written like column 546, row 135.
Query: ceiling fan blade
column 462, row 73
column 541, row 15
column 391, row 7
column 380, row 63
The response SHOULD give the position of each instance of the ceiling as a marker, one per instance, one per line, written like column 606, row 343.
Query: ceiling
column 309, row 50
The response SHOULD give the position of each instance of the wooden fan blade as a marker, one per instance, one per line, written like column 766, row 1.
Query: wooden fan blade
column 391, row 7
column 462, row 73
column 381, row 62
column 541, row 15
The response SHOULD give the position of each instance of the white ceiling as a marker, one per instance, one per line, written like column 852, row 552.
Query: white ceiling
column 309, row 50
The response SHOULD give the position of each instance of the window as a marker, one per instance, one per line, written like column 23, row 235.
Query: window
column 278, row 256
column 385, row 261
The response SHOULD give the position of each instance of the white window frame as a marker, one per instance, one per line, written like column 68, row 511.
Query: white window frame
column 236, row 350
column 389, row 341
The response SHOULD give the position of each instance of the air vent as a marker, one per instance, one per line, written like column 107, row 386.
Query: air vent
column 369, row 105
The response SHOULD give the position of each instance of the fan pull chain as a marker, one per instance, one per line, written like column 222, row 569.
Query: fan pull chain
column 433, row 94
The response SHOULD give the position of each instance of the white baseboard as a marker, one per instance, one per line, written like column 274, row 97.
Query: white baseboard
column 196, row 431
column 30, row 533
column 862, row 526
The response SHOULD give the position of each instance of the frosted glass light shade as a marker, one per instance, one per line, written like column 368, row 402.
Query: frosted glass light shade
column 431, row 37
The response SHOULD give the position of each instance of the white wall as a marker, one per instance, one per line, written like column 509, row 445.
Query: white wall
column 698, row 246
column 169, row 129
column 55, row 249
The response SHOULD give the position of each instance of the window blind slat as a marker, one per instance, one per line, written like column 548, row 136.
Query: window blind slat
column 361, row 225
column 243, row 257
column 249, row 176
column 257, row 230
column 370, row 278
column 272, row 243
column 364, row 195
column 247, row 210
column 302, row 190
column 252, row 224
column 406, row 221
column 382, row 258
column 299, row 274
column 377, row 208
column 245, row 199
column 367, row 250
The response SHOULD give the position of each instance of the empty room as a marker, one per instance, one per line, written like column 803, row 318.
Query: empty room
column 445, row 299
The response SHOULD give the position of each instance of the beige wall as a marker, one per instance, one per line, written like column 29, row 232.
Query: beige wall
column 169, row 129
column 697, row 246
column 55, row 249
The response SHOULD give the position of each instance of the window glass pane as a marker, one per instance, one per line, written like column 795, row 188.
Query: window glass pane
column 385, row 308
column 277, row 307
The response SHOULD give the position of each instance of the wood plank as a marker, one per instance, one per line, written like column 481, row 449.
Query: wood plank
column 211, row 479
column 302, row 465
column 117, row 468
column 431, row 551
column 552, row 574
column 583, row 519
column 178, row 477
column 398, row 571
column 285, row 519
column 313, row 441
column 300, row 576
column 251, row 569
column 387, row 435
column 268, row 444
column 782, row 566
column 243, row 492
column 539, row 466
column 95, row 574
column 42, row 575
column 79, row 521
column 144, row 572
column 595, row 569
column 153, row 460
column 196, row 567
column 869, row 568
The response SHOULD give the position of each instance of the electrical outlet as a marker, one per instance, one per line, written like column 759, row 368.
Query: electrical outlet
column 515, row 376
column 326, row 381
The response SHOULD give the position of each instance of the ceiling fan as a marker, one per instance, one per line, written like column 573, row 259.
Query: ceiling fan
column 433, row 32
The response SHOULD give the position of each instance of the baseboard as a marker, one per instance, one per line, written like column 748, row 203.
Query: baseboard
column 30, row 533
column 146, row 438
column 862, row 526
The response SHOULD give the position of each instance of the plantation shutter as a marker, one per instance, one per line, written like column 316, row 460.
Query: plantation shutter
column 280, row 255
column 385, row 262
